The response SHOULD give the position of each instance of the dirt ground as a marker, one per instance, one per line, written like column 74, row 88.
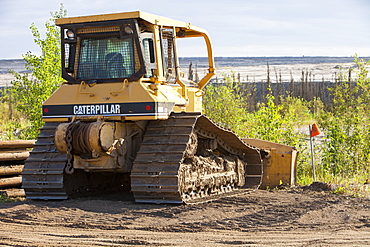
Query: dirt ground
column 293, row 217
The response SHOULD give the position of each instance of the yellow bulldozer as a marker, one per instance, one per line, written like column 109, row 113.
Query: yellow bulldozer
column 127, row 119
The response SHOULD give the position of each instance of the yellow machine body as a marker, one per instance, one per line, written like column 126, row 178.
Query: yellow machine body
column 154, row 89
column 127, row 118
column 150, row 88
column 119, row 101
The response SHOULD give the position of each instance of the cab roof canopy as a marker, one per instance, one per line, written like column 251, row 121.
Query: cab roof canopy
column 153, row 19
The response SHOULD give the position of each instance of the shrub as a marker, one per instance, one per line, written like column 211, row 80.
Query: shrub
column 28, row 92
column 225, row 104
column 346, row 152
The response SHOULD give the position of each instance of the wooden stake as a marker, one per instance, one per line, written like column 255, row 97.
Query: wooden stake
column 312, row 156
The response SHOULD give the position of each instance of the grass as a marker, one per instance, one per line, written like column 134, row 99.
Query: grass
column 11, row 123
column 352, row 190
column 7, row 199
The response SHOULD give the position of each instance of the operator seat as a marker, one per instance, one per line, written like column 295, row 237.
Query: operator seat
column 114, row 65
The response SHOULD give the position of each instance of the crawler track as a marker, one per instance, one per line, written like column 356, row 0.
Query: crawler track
column 186, row 158
column 42, row 176
column 173, row 166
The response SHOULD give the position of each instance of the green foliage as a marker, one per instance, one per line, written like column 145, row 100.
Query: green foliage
column 11, row 120
column 346, row 153
column 7, row 199
column 343, row 156
column 269, row 123
column 28, row 92
column 351, row 189
column 278, row 123
column 281, row 124
column 225, row 104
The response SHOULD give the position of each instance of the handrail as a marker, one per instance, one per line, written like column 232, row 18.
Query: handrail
column 83, row 83
column 125, row 82
column 211, row 70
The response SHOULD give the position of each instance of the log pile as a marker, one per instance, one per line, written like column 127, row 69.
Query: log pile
column 12, row 157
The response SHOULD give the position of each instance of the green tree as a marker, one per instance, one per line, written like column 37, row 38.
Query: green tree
column 28, row 92
column 225, row 104
column 347, row 126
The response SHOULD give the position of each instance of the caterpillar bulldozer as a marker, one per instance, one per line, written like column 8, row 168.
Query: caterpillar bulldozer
column 127, row 119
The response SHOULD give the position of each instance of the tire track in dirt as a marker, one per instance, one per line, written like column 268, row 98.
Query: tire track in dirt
column 291, row 217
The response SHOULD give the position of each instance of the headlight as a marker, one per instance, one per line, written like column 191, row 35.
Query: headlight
column 70, row 34
column 128, row 30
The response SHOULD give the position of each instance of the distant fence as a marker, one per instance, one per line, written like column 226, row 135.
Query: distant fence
column 307, row 87
column 256, row 91
column 304, row 90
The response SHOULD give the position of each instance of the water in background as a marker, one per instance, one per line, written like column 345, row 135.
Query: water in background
column 319, row 72
column 221, row 62
column 18, row 65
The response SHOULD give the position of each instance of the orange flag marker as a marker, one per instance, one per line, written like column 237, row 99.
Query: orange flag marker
column 314, row 130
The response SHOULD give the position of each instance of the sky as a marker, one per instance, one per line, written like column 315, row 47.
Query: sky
column 238, row 28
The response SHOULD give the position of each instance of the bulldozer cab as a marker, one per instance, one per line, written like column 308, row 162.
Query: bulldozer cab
column 126, row 46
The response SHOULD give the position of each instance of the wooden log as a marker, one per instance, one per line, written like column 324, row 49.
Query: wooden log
column 11, row 170
column 13, row 192
column 10, row 182
column 17, row 144
column 10, row 156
